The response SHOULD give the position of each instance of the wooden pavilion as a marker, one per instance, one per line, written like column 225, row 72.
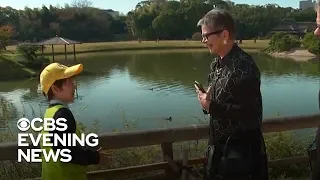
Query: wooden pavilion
column 290, row 26
column 59, row 41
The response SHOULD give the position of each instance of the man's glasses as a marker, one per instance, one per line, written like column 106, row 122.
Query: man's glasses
column 207, row 35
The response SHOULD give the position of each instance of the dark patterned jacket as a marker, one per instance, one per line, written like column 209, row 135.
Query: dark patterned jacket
column 236, row 102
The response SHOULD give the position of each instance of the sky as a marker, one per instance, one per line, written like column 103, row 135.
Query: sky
column 125, row 5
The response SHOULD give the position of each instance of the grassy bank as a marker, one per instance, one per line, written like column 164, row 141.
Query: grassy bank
column 10, row 69
column 144, row 45
column 8, row 59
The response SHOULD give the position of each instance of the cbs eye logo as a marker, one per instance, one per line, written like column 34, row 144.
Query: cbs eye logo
column 23, row 124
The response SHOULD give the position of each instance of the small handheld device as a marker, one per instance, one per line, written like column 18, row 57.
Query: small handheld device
column 200, row 87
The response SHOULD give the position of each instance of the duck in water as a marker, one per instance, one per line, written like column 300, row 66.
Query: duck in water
column 168, row 119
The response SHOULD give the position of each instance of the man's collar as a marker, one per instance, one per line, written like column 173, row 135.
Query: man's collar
column 223, row 61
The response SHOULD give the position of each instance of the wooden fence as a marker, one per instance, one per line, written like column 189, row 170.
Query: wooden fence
column 166, row 137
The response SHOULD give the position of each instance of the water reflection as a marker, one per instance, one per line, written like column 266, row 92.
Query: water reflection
column 144, row 89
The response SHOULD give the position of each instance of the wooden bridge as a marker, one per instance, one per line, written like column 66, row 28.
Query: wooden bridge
column 166, row 138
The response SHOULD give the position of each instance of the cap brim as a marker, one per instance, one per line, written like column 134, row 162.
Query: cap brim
column 73, row 70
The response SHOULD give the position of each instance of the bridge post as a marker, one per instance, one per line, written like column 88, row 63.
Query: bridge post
column 184, row 164
column 167, row 151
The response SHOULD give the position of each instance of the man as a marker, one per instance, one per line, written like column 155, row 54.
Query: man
column 234, row 103
column 317, row 31
column 57, row 84
column 316, row 166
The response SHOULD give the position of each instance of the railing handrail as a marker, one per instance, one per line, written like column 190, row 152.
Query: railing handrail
column 8, row 151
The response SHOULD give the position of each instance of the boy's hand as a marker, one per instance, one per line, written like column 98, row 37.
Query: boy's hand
column 105, row 157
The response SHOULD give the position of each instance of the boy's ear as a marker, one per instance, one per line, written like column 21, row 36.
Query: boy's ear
column 55, row 89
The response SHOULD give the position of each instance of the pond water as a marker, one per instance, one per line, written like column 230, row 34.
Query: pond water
column 140, row 90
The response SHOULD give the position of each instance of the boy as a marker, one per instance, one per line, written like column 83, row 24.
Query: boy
column 57, row 85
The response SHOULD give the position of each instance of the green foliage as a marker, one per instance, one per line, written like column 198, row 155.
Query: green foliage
column 6, row 32
column 284, row 145
column 306, row 15
column 29, row 52
column 13, row 69
column 78, row 21
column 27, row 48
column 312, row 43
column 150, row 20
column 251, row 21
column 283, row 42
column 166, row 27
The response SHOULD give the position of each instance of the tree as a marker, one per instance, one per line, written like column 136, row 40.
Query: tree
column 251, row 21
column 283, row 42
column 6, row 33
column 312, row 43
column 81, row 3
column 219, row 4
column 150, row 19
column 169, row 25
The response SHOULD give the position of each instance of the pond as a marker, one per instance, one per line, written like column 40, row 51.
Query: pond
column 141, row 90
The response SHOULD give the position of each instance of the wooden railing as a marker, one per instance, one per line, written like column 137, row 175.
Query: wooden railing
column 166, row 137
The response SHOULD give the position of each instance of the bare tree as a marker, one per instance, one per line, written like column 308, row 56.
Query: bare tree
column 81, row 3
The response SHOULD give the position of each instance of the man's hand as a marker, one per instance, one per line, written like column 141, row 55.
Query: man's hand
column 204, row 98
column 105, row 157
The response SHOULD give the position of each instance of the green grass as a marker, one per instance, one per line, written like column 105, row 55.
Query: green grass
column 10, row 69
column 144, row 45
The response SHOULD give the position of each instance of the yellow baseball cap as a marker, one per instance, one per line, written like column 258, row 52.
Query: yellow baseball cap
column 56, row 71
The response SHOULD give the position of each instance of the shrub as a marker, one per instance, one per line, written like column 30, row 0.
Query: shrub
column 312, row 43
column 38, row 62
column 196, row 36
column 283, row 42
column 29, row 52
column 27, row 48
column 284, row 145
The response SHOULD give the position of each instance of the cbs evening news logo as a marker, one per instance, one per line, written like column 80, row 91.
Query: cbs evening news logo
column 43, row 140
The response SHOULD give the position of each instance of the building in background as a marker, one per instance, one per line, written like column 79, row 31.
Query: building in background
column 306, row 4
column 114, row 14
column 292, row 27
column 230, row 3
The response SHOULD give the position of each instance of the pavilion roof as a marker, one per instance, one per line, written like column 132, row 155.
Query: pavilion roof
column 58, row 41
